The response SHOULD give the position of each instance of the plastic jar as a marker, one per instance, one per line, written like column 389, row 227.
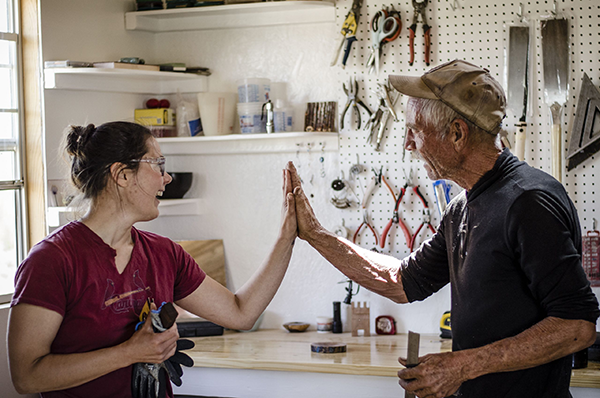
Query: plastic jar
column 283, row 119
column 250, row 118
column 254, row 90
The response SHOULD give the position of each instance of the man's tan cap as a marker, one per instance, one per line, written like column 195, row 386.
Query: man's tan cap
column 468, row 89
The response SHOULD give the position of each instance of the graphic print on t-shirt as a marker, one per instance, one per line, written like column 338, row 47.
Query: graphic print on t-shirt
column 126, row 301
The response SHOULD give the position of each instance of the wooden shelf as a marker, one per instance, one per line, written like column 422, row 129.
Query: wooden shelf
column 232, row 16
column 123, row 81
column 249, row 143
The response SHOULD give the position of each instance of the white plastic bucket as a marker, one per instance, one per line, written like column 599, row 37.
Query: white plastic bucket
column 250, row 118
column 283, row 119
column 217, row 111
column 253, row 90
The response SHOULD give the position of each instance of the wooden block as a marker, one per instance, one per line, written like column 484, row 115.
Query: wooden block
column 361, row 318
column 210, row 256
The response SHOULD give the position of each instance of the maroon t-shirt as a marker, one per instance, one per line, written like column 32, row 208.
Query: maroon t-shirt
column 73, row 272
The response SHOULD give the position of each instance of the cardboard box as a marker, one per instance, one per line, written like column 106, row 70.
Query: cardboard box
column 155, row 117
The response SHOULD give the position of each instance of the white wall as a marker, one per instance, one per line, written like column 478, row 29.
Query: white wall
column 240, row 193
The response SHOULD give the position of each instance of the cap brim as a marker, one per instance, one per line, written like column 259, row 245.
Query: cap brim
column 413, row 86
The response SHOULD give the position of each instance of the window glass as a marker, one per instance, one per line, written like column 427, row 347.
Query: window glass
column 8, row 240
column 8, row 126
column 7, row 166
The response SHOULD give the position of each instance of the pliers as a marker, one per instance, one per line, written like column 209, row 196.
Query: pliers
column 426, row 221
column 419, row 9
column 376, row 180
column 395, row 219
column 352, row 92
column 366, row 223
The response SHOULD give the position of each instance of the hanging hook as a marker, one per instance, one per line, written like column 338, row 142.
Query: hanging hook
column 454, row 4
column 521, row 14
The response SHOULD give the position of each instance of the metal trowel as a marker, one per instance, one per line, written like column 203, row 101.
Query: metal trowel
column 517, row 87
column 555, row 52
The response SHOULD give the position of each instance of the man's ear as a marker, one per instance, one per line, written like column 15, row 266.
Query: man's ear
column 459, row 134
column 120, row 174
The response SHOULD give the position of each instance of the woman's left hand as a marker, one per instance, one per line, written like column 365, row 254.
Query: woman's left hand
column 289, row 228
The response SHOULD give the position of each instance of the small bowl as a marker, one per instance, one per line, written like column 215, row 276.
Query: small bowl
column 296, row 327
column 181, row 183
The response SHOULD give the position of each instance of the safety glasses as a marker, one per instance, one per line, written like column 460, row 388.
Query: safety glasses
column 157, row 161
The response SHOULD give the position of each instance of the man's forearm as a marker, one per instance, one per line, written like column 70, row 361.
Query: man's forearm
column 376, row 272
column 550, row 339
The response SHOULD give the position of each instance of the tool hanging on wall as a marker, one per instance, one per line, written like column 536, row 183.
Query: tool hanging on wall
column 352, row 101
column 426, row 219
column 517, row 79
column 340, row 193
column 385, row 27
column 441, row 190
column 555, row 53
column 591, row 255
column 378, row 120
column 376, row 179
column 348, row 33
column 585, row 133
column 366, row 222
column 419, row 9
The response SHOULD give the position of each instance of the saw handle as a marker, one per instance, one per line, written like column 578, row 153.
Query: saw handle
column 520, row 135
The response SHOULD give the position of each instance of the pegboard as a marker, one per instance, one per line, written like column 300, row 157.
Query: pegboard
column 473, row 30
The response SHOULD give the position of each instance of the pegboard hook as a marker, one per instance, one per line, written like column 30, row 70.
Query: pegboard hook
column 454, row 4
column 593, row 224
column 521, row 14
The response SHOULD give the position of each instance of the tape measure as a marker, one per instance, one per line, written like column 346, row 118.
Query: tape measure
column 445, row 326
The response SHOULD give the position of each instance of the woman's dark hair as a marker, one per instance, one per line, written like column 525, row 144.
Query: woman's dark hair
column 92, row 150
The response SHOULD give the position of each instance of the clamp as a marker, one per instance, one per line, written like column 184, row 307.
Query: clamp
column 353, row 100
column 419, row 9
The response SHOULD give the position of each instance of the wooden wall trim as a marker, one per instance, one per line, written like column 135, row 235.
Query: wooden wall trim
column 32, row 110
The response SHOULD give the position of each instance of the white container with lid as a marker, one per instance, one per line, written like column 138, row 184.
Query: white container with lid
column 250, row 118
column 254, row 90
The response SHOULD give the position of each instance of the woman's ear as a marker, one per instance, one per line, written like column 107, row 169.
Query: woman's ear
column 119, row 173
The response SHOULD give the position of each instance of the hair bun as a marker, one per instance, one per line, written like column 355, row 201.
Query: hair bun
column 77, row 139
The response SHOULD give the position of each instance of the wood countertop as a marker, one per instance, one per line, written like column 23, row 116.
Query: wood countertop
column 376, row 355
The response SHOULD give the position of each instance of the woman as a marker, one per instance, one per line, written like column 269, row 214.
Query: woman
column 80, row 291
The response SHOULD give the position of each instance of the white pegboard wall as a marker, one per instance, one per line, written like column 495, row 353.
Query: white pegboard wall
column 475, row 32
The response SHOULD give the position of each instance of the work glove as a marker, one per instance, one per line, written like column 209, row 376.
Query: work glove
column 149, row 380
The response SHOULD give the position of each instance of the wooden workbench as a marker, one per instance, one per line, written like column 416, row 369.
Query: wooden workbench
column 277, row 351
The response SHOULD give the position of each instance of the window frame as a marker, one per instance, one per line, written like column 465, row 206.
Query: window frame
column 18, row 143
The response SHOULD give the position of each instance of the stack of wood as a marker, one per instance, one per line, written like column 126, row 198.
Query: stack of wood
column 320, row 116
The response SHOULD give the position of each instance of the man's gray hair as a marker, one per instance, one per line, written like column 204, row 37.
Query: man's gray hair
column 435, row 116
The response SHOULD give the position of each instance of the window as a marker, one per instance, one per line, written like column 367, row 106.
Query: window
column 12, row 222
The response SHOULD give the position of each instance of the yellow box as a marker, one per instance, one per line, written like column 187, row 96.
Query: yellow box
column 155, row 117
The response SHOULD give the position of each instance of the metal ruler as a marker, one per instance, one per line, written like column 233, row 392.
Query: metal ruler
column 412, row 357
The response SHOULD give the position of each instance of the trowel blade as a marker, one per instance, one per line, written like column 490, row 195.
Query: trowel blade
column 555, row 52
column 518, row 62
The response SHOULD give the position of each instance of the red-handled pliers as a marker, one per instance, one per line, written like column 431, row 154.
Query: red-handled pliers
column 366, row 223
column 426, row 219
column 419, row 9
column 396, row 220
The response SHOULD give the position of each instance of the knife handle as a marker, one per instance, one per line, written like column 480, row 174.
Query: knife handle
column 556, row 152
column 520, row 135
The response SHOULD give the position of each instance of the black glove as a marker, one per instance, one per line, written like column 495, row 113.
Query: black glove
column 149, row 380
column 174, row 363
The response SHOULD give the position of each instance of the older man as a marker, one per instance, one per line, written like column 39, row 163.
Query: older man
column 509, row 245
